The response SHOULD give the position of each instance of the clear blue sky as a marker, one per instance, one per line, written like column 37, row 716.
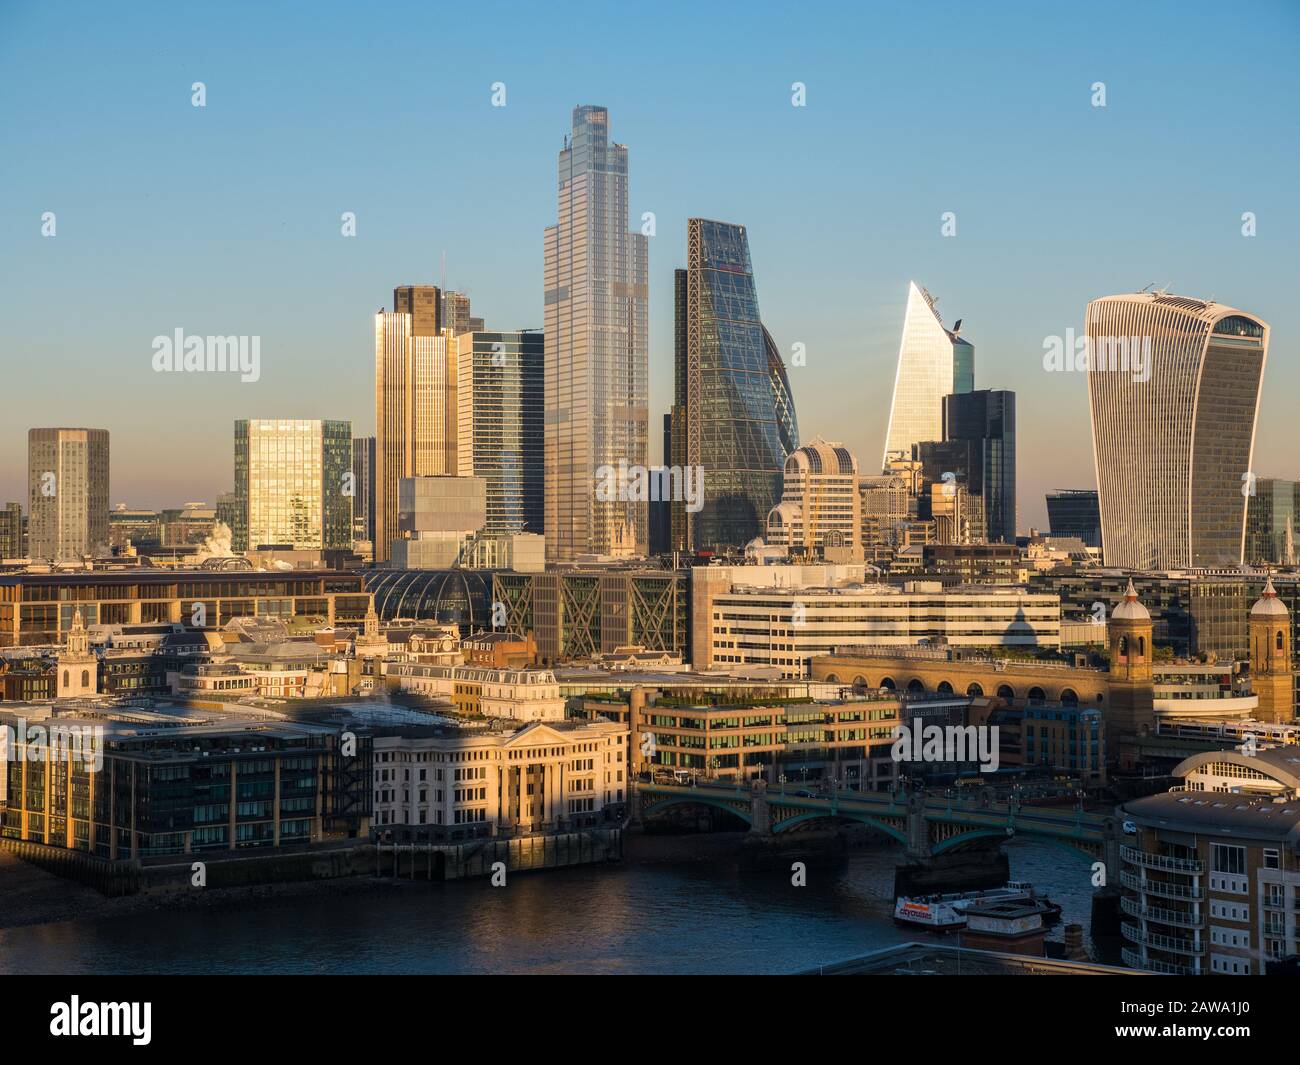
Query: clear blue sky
column 225, row 220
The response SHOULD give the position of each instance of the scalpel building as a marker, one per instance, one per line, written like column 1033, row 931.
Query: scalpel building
column 1173, row 385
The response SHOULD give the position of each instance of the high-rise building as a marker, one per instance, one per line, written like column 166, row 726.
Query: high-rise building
column 1173, row 385
column 289, row 483
column 821, row 507
column 363, row 488
column 500, row 435
column 735, row 407
column 986, row 419
column 597, row 353
column 1075, row 512
column 456, row 316
column 11, row 531
column 1271, row 516
column 933, row 362
column 415, row 401
column 67, row 493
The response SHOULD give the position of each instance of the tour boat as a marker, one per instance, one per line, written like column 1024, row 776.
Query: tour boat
column 942, row 913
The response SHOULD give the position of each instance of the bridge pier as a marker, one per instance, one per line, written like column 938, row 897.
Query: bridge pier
column 759, row 812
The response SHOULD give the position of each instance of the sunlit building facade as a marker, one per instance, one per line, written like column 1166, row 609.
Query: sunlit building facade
column 290, row 483
column 597, row 353
column 933, row 362
column 1173, row 427
column 732, row 395
column 67, row 493
column 821, row 505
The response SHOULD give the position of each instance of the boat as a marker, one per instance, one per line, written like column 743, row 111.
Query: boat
column 943, row 913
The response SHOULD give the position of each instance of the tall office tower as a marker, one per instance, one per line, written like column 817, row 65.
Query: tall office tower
column 986, row 419
column 289, row 483
column 67, row 493
column 738, row 421
column 501, row 438
column 1173, row 385
column 424, row 304
column 456, row 316
column 415, row 401
column 821, row 506
column 933, row 362
column 1075, row 512
column 1271, row 516
column 363, row 488
column 597, row 353
column 11, row 531
column 661, row 513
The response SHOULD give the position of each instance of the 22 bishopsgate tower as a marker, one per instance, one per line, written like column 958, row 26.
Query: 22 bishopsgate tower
column 597, row 352
column 1174, row 388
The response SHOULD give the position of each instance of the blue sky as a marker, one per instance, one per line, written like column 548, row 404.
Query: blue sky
column 225, row 219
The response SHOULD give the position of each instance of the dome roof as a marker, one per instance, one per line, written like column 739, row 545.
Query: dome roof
column 1268, row 604
column 1131, row 609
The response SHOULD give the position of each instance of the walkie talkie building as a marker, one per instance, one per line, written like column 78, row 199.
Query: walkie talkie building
column 1173, row 385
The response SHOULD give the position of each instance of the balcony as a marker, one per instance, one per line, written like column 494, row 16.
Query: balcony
column 1190, row 866
column 1179, row 918
column 1160, row 887
column 1134, row 960
column 1176, row 944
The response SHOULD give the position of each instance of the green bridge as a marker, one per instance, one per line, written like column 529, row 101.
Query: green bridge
column 926, row 825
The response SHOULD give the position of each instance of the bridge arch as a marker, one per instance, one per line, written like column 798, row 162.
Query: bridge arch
column 662, row 802
column 784, row 825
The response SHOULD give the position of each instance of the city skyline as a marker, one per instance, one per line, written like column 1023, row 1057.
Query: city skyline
column 1022, row 266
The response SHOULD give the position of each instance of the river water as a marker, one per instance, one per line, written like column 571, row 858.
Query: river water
column 687, row 917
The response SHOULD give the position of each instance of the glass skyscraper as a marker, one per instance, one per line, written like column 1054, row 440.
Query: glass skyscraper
column 289, row 481
column 986, row 419
column 67, row 493
column 1173, row 429
column 500, row 435
column 733, row 400
column 597, row 353
column 1074, row 512
column 933, row 362
column 1271, row 515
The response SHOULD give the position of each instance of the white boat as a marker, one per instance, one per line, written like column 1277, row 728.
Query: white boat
column 945, row 912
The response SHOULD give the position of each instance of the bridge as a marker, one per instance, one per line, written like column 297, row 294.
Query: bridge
column 925, row 825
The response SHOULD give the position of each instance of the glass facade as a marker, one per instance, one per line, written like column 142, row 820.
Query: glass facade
column 67, row 493
column 737, row 412
column 1173, row 441
column 597, row 354
column 986, row 420
column 1074, row 512
column 933, row 362
column 289, row 484
column 1270, row 522
column 500, row 436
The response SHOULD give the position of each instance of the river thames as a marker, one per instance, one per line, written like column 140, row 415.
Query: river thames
column 633, row 917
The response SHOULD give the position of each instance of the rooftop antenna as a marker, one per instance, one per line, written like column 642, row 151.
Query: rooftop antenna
column 1148, row 286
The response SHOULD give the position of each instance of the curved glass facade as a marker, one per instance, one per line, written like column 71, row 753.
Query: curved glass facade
column 1173, row 385
column 453, row 596
column 738, row 419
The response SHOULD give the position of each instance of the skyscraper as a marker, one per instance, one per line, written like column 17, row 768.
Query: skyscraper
column 67, row 493
column 415, row 401
column 500, row 435
column 289, row 483
column 1271, row 516
column 986, row 419
column 11, row 531
column 597, row 353
column 736, row 412
column 456, row 315
column 1075, row 512
column 1173, row 385
column 932, row 362
column 363, row 488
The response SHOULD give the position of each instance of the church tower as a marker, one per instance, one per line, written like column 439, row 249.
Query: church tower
column 78, row 670
column 1132, row 694
column 1270, row 657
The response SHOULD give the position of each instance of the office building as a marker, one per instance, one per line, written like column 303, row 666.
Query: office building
column 500, row 435
column 416, row 410
column 933, row 362
column 436, row 518
column 986, row 421
column 1074, row 512
column 139, row 528
column 12, row 541
column 289, row 484
column 455, row 314
column 731, row 392
column 67, row 493
column 821, row 506
column 1174, row 390
column 597, row 353
column 363, row 489
column 1271, row 514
